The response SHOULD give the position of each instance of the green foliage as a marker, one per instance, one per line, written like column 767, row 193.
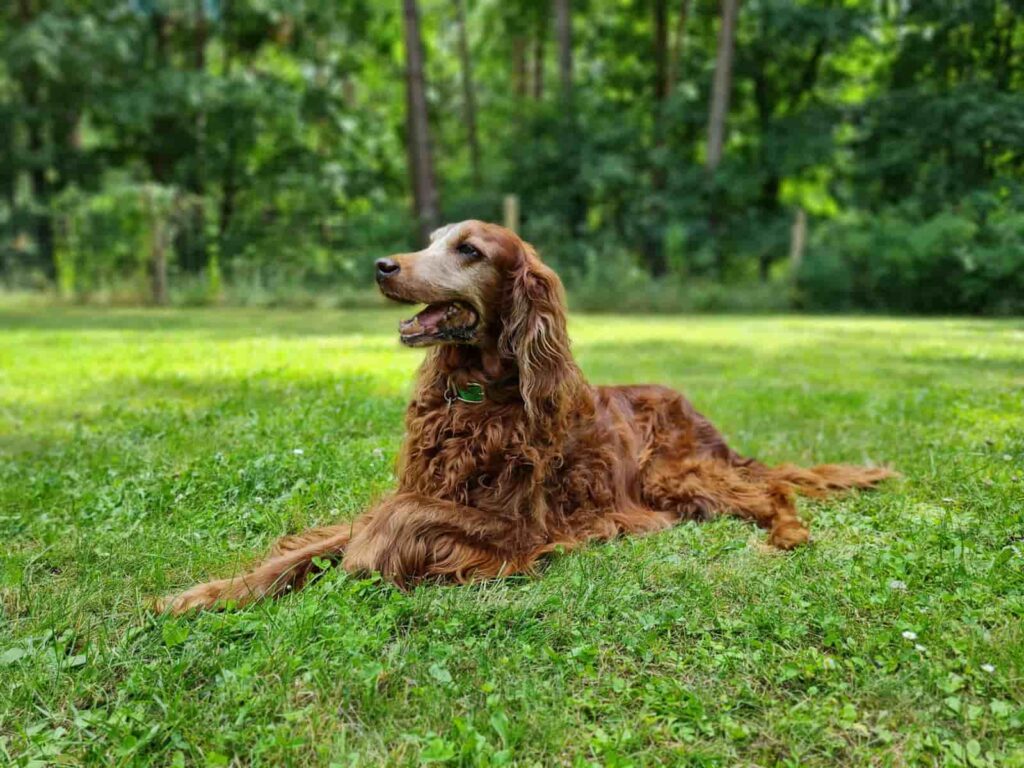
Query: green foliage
column 966, row 260
column 104, row 241
column 281, row 126
column 141, row 451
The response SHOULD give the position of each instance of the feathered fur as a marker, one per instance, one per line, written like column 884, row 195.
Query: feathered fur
column 545, row 461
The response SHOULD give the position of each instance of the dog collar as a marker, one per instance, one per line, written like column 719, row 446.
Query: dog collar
column 470, row 392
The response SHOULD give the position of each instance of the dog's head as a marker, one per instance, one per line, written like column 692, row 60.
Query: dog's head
column 485, row 287
column 477, row 281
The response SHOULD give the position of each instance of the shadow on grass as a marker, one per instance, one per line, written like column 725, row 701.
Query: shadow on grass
column 797, row 362
column 698, row 367
column 954, row 366
column 148, row 405
column 221, row 322
column 248, row 321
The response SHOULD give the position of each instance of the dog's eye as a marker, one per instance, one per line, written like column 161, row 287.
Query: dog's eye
column 469, row 251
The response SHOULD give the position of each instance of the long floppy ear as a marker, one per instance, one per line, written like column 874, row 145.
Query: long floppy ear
column 535, row 335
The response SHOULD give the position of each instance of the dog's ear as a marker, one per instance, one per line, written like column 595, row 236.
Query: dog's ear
column 534, row 334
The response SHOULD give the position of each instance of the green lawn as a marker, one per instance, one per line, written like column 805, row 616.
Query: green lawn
column 141, row 451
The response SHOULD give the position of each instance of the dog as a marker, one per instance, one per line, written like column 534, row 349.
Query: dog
column 509, row 453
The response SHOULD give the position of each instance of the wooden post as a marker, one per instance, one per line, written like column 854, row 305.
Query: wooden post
column 511, row 212
column 158, row 242
column 797, row 240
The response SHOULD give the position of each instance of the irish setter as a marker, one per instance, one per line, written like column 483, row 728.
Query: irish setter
column 510, row 453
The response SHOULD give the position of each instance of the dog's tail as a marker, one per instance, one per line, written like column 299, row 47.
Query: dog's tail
column 287, row 566
column 829, row 478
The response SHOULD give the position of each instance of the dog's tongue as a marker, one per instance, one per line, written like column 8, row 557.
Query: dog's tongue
column 426, row 321
column 443, row 318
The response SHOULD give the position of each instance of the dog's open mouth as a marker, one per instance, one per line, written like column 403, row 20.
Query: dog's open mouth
column 451, row 321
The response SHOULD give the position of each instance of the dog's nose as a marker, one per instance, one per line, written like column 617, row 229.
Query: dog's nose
column 386, row 268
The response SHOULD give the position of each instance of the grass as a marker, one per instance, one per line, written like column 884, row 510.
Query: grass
column 141, row 451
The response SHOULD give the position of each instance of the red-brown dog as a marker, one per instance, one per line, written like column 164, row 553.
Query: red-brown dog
column 510, row 453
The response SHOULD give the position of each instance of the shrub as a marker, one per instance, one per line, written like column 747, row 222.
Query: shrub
column 967, row 259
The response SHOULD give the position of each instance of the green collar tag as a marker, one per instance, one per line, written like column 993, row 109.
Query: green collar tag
column 471, row 393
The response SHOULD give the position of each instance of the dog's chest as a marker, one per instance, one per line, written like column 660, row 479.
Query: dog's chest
column 470, row 453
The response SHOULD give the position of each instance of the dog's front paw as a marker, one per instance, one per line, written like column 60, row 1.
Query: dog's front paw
column 200, row 597
column 789, row 536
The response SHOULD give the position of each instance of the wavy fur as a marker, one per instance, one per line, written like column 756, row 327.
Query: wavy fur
column 546, row 461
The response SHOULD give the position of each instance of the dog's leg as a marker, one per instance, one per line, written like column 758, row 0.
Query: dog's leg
column 410, row 537
column 284, row 569
column 300, row 540
column 703, row 489
column 827, row 478
column 406, row 537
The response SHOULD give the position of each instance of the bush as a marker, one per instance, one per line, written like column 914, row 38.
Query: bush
column 968, row 259
column 612, row 281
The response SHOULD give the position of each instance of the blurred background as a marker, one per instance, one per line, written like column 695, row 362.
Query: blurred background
column 664, row 155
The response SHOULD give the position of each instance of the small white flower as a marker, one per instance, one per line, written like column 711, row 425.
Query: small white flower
column 1007, row 457
column 908, row 635
column 988, row 668
column 378, row 453
column 298, row 451
column 949, row 501
column 919, row 648
column 899, row 586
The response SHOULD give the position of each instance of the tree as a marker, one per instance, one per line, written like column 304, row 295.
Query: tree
column 563, row 29
column 661, row 53
column 678, row 45
column 468, row 92
column 540, row 40
column 653, row 245
column 293, row 144
column 717, row 115
column 722, row 86
column 421, row 162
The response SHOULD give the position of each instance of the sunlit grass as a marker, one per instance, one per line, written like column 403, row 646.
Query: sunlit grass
column 142, row 450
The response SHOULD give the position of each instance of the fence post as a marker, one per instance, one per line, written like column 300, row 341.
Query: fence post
column 158, row 248
column 511, row 212
column 797, row 240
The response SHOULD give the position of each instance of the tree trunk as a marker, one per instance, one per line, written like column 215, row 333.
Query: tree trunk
column 157, row 249
column 158, row 265
column 229, row 182
column 654, row 245
column 8, row 179
column 39, row 185
column 421, row 164
column 159, row 162
column 196, row 241
column 661, row 81
column 563, row 26
column 519, row 66
column 722, row 84
column 468, row 93
column 539, row 47
column 716, row 121
column 675, row 66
